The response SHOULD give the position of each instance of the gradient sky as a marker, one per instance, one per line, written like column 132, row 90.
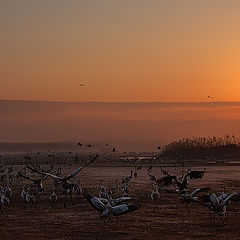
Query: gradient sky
column 123, row 50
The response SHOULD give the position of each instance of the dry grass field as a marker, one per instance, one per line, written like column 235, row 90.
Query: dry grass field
column 79, row 221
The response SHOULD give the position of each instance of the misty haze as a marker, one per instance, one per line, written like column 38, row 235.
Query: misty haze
column 129, row 126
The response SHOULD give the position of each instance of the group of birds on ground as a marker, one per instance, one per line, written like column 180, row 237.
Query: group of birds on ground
column 37, row 184
column 216, row 204
column 106, row 202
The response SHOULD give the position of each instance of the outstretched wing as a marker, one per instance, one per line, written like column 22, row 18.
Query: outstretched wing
column 125, row 208
column 54, row 176
column 91, row 161
column 222, row 197
column 26, row 177
column 166, row 180
column 95, row 202
column 121, row 199
column 44, row 177
column 236, row 197
column 42, row 174
column 198, row 190
column 34, row 170
column 229, row 197
column 75, row 172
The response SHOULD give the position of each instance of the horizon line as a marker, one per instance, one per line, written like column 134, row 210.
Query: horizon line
column 49, row 101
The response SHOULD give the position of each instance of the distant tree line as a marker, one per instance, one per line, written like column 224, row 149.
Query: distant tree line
column 203, row 147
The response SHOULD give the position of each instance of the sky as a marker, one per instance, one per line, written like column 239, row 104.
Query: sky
column 122, row 50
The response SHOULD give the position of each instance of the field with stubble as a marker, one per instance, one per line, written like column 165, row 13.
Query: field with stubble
column 80, row 221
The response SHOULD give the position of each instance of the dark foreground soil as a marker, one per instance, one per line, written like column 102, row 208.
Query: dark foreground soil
column 80, row 221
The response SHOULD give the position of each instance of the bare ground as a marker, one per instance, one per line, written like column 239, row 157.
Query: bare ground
column 80, row 221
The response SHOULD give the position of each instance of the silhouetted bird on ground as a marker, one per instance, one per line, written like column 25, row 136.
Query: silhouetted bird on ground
column 195, row 174
column 26, row 157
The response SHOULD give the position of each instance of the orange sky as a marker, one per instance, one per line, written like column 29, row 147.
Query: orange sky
column 122, row 50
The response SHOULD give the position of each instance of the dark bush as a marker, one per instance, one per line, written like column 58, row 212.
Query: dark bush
column 203, row 147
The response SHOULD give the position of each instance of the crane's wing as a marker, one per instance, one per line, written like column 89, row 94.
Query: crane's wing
column 198, row 190
column 75, row 172
column 229, row 197
column 222, row 197
column 125, row 208
column 236, row 197
column 167, row 180
column 34, row 170
column 121, row 199
column 44, row 177
column 26, row 177
column 95, row 202
column 42, row 174
column 54, row 176
column 91, row 161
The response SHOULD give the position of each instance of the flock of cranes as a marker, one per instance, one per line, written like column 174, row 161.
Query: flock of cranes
column 216, row 205
column 118, row 199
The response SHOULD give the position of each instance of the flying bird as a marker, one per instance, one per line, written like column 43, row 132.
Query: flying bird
column 64, row 181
